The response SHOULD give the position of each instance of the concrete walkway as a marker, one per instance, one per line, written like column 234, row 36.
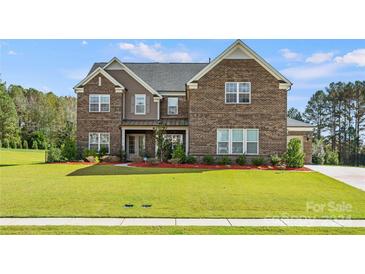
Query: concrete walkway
column 353, row 176
column 178, row 222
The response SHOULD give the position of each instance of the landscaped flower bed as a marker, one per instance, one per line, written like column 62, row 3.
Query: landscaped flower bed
column 204, row 166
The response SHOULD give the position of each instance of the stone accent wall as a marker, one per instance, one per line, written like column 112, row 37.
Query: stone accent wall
column 208, row 111
column 182, row 108
column 99, row 121
column 307, row 143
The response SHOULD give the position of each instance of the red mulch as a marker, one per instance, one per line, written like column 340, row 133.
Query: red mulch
column 203, row 166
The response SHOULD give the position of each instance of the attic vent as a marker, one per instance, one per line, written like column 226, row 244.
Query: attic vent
column 99, row 81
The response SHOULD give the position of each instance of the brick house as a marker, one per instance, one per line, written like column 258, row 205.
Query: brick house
column 236, row 104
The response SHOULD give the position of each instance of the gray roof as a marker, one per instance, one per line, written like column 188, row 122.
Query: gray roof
column 163, row 76
column 295, row 123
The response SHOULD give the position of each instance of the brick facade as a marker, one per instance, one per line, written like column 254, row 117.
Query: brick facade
column 208, row 111
column 99, row 121
column 183, row 108
column 204, row 108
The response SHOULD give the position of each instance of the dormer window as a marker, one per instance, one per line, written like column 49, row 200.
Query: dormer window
column 140, row 104
column 172, row 106
column 238, row 92
column 99, row 103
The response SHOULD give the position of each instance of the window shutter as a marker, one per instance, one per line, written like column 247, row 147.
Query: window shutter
column 132, row 103
column 148, row 103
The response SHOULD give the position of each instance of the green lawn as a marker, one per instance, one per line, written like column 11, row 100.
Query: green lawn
column 165, row 230
column 33, row 189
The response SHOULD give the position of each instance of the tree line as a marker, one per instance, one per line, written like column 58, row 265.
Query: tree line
column 30, row 118
column 338, row 114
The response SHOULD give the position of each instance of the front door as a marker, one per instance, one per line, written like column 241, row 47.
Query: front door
column 136, row 144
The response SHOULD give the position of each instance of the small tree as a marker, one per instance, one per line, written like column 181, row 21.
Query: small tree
column 25, row 144
column 35, row 145
column 294, row 156
column 6, row 143
column 318, row 154
column 158, row 134
column 179, row 153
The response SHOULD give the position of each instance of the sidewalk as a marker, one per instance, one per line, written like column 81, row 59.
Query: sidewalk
column 178, row 222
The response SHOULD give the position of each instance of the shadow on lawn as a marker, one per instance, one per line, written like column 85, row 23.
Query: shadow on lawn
column 117, row 170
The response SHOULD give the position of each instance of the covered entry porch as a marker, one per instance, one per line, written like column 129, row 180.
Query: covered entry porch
column 139, row 142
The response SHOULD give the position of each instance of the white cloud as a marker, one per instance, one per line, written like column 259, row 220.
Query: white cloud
column 356, row 56
column 12, row 52
column 320, row 57
column 156, row 52
column 290, row 55
column 310, row 72
column 84, row 43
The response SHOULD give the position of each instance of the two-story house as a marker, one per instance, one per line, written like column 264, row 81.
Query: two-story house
column 236, row 104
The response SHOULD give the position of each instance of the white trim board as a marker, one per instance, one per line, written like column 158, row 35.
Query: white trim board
column 247, row 52
column 93, row 74
column 300, row 128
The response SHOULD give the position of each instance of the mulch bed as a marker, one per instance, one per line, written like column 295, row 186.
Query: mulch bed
column 203, row 166
column 198, row 166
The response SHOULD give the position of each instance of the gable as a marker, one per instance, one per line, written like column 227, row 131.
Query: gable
column 239, row 50
column 80, row 86
column 116, row 64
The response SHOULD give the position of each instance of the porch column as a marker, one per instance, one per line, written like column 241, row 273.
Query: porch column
column 123, row 139
column 187, row 141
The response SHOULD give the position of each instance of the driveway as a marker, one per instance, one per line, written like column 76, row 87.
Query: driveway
column 353, row 176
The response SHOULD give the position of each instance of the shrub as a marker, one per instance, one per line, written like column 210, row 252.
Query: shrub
column 331, row 157
column 179, row 154
column 69, row 151
column 25, row 144
column 190, row 159
column 6, row 143
column 1, row 144
column 259, row 161
column 103, row 151
column 209, row 160
column 13, row 144
column 275, row 159
column 123, row 156
column 225, row 161
column 241, row 160
column 318, row 154
column 35, row 145
column 19, row 144
column 294, row 156
column 89, row 152
column 54, row 154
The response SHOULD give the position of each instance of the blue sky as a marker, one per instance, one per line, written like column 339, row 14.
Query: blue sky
column 57, row 65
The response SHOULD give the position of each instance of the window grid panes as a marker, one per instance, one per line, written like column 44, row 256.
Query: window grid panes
column 99, row 140
column 172, row 106
column 99, row 103
column 140, row 104
column 237, row 92
column 237, row 141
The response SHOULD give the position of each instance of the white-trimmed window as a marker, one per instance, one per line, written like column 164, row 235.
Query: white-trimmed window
column 238, row 141
column 99, row 103
column 140, row 104
column 238, row 93
column 98, row 140
column 252, row 141
column 223, row 141
column 172, row 105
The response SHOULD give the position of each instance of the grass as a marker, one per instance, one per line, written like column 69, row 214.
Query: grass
column 163, row 230
column 11, row 157
column 31, row 189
